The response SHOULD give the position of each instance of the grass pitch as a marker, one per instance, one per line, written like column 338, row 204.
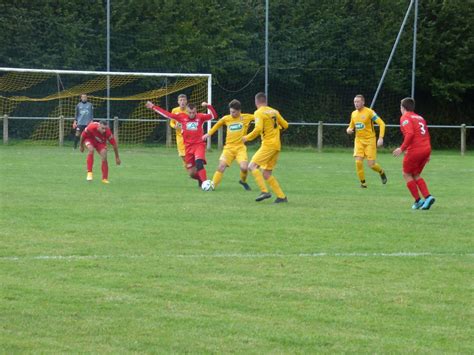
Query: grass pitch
column 150, row 263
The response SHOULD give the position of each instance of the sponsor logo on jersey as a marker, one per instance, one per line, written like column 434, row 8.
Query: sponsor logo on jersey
column 235, row 127
column 404, row 123
column 359, row 126
column 192, row 126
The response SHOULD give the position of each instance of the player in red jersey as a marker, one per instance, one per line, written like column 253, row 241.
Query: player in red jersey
column 417, row 148
column 191, row 125
column 95, row 136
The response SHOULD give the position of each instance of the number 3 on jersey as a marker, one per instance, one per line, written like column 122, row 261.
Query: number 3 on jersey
column 422, row 128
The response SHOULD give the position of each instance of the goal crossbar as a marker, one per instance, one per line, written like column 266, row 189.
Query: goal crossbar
column 87, row 72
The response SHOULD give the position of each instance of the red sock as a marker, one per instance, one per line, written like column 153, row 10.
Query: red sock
column 105, row 170
column 90, row 162
column 202, row 175
column 423, row 188
column 194, row 176
column 413, row 189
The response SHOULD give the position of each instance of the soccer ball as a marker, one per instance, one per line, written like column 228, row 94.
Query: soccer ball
column 207, row 185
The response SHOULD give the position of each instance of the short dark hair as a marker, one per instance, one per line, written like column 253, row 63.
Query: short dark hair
column 408, row 104
column 191, row 106
column 261, row 97
column 235, row 104
column 182, row 95
column 103, row 122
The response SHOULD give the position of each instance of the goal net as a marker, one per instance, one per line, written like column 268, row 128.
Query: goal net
column 41, row 103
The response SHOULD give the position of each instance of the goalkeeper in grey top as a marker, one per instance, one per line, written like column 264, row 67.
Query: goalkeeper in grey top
column 84, row 116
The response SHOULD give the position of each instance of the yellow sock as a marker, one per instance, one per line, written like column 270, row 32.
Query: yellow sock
column 360, row 170
column 376, row 167
column 257, row 174
column 243, row 175
column 273, row 182
column 217, row 178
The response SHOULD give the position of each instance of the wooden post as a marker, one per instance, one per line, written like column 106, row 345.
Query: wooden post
column 168, row 134
column 463, row 139
column 320, row 136
column 61, row 130
column 5, row 129
column 116, row 129
column 220, row 138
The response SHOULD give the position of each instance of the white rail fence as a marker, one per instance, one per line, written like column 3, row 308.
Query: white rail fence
column 220, row 140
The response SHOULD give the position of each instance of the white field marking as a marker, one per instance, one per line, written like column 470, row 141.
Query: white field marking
column 233, row 255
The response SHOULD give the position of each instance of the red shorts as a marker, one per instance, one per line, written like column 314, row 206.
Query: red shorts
column 98, row 146
column 414, row 161
column 193, row 153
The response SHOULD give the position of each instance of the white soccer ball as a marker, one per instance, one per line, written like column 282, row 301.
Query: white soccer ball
column 207, row 185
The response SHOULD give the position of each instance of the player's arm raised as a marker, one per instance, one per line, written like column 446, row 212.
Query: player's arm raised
column 210, row 116
column 162, row 112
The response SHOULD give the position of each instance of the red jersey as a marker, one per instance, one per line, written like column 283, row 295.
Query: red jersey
column 191, row 128
column 415, row 132
column 91, row 132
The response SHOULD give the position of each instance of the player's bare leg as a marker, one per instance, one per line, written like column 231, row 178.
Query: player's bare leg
column 89, row 160
column 217, row 178
column 360, row 171
column 259, row 179
column 377, row 168
column 244, row 165
column 275, row 186
column 105, row 166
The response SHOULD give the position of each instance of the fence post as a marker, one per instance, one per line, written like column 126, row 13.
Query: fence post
column 220, row 138
column 61, row 130
column 116, row 129
column 463, row 139
column 168, row 134
column 5, row 129
column 320, row 136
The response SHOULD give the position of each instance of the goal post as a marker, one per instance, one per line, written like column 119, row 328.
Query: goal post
column 36, row 99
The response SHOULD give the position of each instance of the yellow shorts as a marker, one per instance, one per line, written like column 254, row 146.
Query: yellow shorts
column 266, row 158
column 229, row 154
column 180, row 146
column 365, row 149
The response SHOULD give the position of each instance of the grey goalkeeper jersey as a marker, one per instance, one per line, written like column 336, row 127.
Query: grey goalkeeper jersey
column 84, row 113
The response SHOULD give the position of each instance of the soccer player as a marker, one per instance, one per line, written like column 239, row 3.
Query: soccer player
column 417, row 148
column 268, row 123
column 237, row 124
column 84, row 116
column 95, row 136
column 181, row 108
column 362, row 119
column 191, row 125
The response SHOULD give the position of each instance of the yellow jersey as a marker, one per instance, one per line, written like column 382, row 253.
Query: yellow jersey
column 268, row 123
column 177, row 125
column 363, row 122
column 236, row 128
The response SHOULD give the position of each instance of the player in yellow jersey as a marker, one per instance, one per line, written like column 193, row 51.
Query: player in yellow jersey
column 237, row 124
column 182, row 102
column 268, row 123
column 365, row 146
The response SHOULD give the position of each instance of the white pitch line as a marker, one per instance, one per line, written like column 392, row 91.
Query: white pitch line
column 234, row 255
